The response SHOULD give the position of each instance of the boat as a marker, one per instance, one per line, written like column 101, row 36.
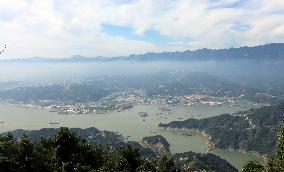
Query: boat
column 186, row 134
column 53, row 109
column 53, row 123
column 163, row 109
column 1, row 122
column 143, row 114
column 100, row 112
column 62, row 112
column 155, row 132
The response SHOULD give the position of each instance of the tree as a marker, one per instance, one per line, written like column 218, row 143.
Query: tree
column 166, row 164
column 147, row 165
column 276, row 162
column 25, row 155
column 68, row 153
column 253, row 166
column 129, row 157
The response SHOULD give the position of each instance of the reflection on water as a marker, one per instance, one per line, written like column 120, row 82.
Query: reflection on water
column 128, row 123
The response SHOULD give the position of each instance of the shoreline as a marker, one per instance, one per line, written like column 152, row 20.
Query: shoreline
column 204, row 141
column 210, row 145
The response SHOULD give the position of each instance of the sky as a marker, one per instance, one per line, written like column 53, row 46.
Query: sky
column 63, row 28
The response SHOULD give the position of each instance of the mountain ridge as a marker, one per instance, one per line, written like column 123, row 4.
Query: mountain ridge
column 261, row 52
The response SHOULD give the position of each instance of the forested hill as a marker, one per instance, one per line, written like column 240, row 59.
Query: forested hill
column 273, row 51
column 62, row 150
column 252, row 130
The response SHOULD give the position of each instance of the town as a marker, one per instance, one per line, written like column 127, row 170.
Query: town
column 120, row 101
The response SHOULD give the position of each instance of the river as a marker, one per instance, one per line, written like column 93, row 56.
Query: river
column 131, row 125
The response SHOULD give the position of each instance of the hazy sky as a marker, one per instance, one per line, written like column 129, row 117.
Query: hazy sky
column 62, row 28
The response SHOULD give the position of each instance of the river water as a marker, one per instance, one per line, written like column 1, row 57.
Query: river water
column 131, row 125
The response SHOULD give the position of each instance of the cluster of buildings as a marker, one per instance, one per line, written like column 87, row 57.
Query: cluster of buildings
column 210, row 100
column 120, row 101
column 71, row 109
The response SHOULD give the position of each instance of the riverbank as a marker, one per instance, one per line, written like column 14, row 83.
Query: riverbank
column 127, row 123
column 210, row 145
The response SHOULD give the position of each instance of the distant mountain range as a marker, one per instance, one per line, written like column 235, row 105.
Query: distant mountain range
column 273, row 51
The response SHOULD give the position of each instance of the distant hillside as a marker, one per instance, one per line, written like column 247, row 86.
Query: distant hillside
column 268, row 51
column 252, row 130
column 262, row 52
column 157, row 84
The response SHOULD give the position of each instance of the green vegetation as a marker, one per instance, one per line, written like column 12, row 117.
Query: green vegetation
column 252, row 130
column 71, row 93
column 191, row 161
column 158, row 144
column 253, row 166
column 276, row 162
column 91, row 135
column 64, row 151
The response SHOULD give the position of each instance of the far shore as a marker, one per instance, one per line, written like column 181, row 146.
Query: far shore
column 210, row 144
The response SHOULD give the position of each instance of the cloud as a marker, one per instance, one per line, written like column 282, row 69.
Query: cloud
column 58, row 28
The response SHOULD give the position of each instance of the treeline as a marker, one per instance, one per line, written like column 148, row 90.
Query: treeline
column 192, row 161
column 66, row 152
column 276, row 161
column 92, row 135
column 252, row 130
column 82, row 92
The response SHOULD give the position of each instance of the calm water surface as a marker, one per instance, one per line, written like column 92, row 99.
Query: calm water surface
column 130, row 125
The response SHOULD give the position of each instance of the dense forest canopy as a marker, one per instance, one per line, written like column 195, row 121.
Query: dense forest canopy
column 252, row 130
column 275, row 163
column 64, row 151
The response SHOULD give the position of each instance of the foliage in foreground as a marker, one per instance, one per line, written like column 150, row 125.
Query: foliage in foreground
column 66, row 152
column 62, row 150
column 276, row 162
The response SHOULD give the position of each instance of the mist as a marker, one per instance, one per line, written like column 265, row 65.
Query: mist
column 250, row 73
